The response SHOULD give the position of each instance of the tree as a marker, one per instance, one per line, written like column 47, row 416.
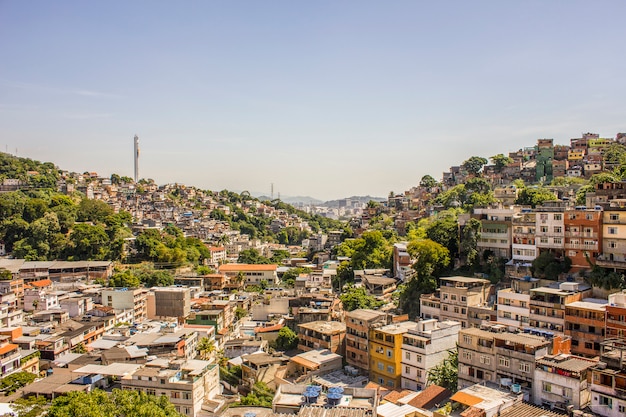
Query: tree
column 260, row 395
column 474, row 164
column 444, row 229
column 534, row 197
column 252, row 256
column 125, row 279
column 354, row 298
column 11, row 383
column 615, row 153
column 500, row 161
column 428, row 182
column 119, row 403
column 370, row 251
column 547, row 266
column 430, row 257
column 205, row 347
column 30, row 407
column 446, row 374
column 470, row 235
column 287, row 339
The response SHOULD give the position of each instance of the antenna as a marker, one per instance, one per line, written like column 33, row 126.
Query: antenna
column 136, row 158
column 272, row 192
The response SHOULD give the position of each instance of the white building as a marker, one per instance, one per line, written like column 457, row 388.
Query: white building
column 425, row 347
column 127, row 299
column 561, row 380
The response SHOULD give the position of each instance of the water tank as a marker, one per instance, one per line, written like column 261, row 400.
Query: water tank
column 516, row 388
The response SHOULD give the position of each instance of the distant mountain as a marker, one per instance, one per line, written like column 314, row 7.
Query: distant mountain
column 294, row 201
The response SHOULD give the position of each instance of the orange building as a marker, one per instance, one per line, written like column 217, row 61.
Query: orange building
column 583, row 234
column 584, row 322
column 616, row 315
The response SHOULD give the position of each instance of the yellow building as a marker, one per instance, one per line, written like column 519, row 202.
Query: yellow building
column 576, row 154
column 385, row 347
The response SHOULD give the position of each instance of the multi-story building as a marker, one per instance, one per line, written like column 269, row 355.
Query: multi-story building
column 169, row 302
column 358, row 325
column 523, row 247
column 547, row 304
column 583, row 234
column 496, row 230
column 459, row 293
column 385, row 347
column 550, row 228
column 186, row 384
column 322, row 335
column 9, row 356
column 424, row 347
column 494, row 354
column 430, row 306
column 613, row 236
column 585, row 324
column 616, row 315
column 608, row 380
column 562, row 380
column 252, row 274
column 127, row 299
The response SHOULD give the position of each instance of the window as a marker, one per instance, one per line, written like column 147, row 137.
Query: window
column 558, row 241
column 390, row 369
column 589, row 216
column 543, row 229
column 543, row 240
column 524, row 367
column 546, row 386
column 467, row 339
column 612, row 245
column 381, row 366
column 175, row 394
column 567, row 392
column 504, row 362
column 162, row 381
column 390, row 383
column 463, row 298
column 558, row 216
column 381, row 381
column 486, row 360
column 150, row 391
column 622, row 408
column 407, row 370
column 557, row 229
column 612, row 230
column 407, row 355
column 389, row 353
column 453, row 297
column 419, row 358
column 467, row 355
column 606, row 401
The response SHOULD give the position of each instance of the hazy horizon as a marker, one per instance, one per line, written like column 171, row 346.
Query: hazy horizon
column 322, row 99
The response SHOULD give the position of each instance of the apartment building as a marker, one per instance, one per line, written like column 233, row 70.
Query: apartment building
column 186, row 384
column 358, row 325
column 514, row 303
column 585, row 324
column 583, row 234
column 430, row 306
column 608, row 380
column 496, row 232
column 424, row 347
column 127, row 299
column 252, row 274
column 459, row 293
column 322, row 335
column 550, row 228
column 547, row 304
column 616, row 315
column 385, row 347
column 10, row 356
column 613, row 236
column 562, row 380
column 496, row 355
column 524, row 225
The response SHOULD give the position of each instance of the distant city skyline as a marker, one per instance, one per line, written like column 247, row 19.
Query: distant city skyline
column 324, row 99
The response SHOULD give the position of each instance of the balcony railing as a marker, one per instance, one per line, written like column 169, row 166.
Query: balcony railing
column 590, row 235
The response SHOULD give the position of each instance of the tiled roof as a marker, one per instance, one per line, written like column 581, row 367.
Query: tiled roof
column 395, row 395
column 466, row 399
column 528, row 410
column 428, row 398
column 42, row 283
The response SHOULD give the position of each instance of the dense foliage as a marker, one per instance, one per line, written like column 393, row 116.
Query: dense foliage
column 446, row 374
column 287, row 339
column 260, row 396
column 120, row 403
column 11, row 383
column 354, row 298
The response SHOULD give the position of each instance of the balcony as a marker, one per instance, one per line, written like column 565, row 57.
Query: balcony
column 588, row 235
column 605, row 262
column 581, row 246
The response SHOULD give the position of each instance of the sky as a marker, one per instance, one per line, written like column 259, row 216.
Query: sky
column 328, row 99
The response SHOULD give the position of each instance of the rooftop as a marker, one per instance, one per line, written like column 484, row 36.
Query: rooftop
column 331, row 327
column 517, row 338
column 364, row 314
column 567, row 362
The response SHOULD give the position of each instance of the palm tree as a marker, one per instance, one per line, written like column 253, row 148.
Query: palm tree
column 206, row 347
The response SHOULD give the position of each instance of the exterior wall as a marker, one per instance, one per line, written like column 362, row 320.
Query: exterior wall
column 422, row 351
column 613, row 239
column 122, row 299
column 586, row 328
column 513, row 308
column 583, row 234
column 616, row 315
column 550, row 230
column 554, row 388
column 523, row 246
column 385, row 345
column 455, row 300
column 357, row 340
column 175, row 302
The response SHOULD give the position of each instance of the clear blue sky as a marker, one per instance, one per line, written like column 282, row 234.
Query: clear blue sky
column 321, row 98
